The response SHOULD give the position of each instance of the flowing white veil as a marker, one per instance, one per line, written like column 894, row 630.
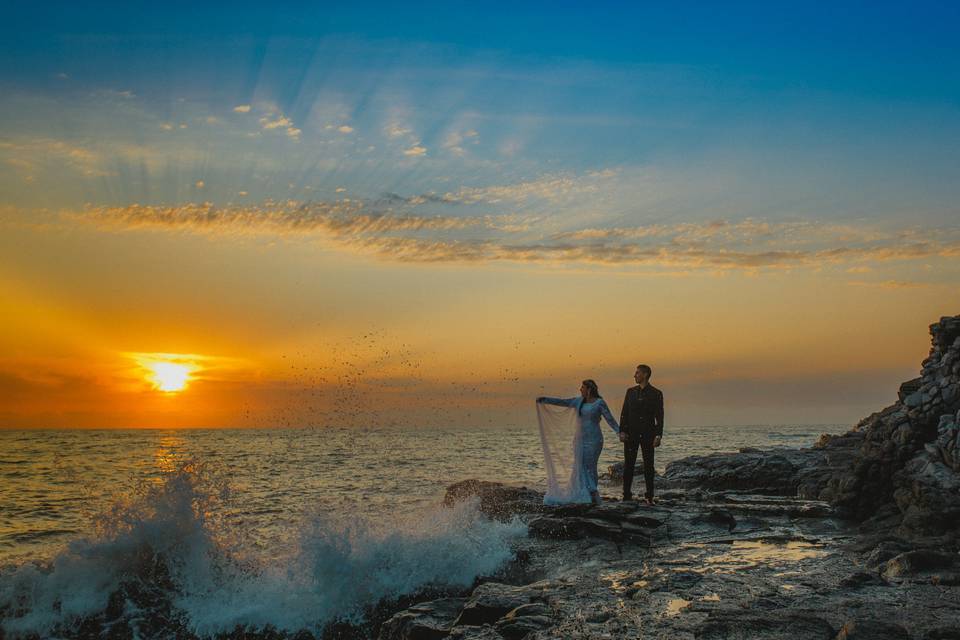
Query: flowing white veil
column 560, row 435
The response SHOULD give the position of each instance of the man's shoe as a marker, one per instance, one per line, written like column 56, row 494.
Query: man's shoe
column 650, row 501
column 627, row 497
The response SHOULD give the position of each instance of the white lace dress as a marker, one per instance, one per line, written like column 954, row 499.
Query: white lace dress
column 587, row 443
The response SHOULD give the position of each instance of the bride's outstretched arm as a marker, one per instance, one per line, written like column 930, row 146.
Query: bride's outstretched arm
column 563, row 402
column 605, row 412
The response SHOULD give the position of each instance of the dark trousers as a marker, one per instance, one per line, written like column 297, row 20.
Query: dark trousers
column 630, row 447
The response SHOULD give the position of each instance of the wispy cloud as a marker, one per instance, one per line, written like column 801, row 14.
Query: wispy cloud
column 32, row 155
column 391, row 228
column 664, row 256
column 548, row 187
column 403, row 138
column 338, row 219
column 397, row 130
column 273, row 121
column 242, row 108
column 890, row 284
column 455, row 141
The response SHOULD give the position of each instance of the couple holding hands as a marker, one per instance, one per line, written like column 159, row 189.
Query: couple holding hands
column 572, row 471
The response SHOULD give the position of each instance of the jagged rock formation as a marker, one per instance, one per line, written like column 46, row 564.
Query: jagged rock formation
column 905, row 470
column 898, row 470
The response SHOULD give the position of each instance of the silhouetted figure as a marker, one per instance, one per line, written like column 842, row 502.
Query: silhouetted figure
column 641, row 427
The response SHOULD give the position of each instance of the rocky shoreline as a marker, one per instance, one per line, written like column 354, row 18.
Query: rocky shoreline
column 853, row 538
column 856, row 537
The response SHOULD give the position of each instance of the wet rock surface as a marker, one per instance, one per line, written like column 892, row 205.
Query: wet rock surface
column 424, row 621
column 854, row 537
column 717, row 565
column 776, row 472
column 728, row 625
column 496, row 500
column 872, row 630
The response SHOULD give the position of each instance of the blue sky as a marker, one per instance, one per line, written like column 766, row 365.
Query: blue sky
column 780, row 153
column 858, row 103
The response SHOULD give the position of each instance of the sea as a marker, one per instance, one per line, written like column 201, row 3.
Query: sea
column 284, row 528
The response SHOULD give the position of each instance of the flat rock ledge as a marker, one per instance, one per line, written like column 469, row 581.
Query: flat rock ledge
column 699, row 564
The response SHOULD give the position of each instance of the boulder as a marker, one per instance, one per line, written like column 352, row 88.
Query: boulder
column 524, row 620
column 862, row 579
column 878, row 556
column 743, row 625
column 718, row 517
column 614, row 473
column 872, row 630
column 491, row 601
column 927, row 492
column 908, row 388
column 773, row 472
column 424, row 621
column 923, row 566
column 486, row 632
column 497, row 500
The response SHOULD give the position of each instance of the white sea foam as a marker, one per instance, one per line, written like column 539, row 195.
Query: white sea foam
column 338, row 567
column 345, row 564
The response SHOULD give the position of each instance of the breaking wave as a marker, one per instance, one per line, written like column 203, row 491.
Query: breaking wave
column 167, row 559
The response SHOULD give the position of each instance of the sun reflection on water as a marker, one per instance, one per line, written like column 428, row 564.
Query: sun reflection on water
column 167, row 454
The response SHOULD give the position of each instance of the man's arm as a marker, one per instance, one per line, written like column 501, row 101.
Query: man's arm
column 660, row 416
column 625, row 410
column 625, row 416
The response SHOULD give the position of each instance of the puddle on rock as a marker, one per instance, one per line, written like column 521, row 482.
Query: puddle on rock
column 746, row 554
column 617, row 579
column 675, row 606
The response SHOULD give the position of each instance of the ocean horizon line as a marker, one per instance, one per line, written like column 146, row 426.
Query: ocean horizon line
column 404, row 427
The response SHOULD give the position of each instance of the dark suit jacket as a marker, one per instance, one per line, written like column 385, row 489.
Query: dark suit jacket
column 642, row 413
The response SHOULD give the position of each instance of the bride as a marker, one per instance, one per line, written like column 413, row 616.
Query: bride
column 572, row 442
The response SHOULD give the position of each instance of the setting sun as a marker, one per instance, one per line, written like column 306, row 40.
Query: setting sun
column 169, row 376
column 167, row 372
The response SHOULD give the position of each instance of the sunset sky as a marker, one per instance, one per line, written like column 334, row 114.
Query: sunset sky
column 427, row 215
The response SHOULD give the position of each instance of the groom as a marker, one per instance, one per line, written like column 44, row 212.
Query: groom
column 641, row 426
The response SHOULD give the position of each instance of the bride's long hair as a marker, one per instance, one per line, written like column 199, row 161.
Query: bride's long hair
column 590, row 384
